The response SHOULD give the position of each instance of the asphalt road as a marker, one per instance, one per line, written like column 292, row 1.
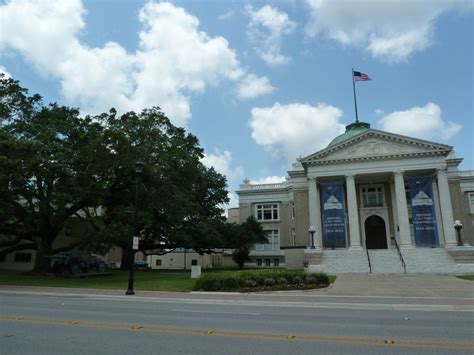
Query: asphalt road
column 41, row 323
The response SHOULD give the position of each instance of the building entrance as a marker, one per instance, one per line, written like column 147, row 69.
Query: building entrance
column 375, row 233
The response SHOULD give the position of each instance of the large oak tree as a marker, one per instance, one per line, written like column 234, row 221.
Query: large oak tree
column 56, row 165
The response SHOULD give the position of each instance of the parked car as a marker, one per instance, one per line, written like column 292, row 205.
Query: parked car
column 141, row 265
column 68, row 264
column 97, row 264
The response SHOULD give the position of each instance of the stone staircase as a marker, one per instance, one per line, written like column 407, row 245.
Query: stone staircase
column 433, row 261
column 343, row 261
column 385, row 261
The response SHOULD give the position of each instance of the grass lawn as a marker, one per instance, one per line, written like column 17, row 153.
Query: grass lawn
column 466, row 277
column 143, row 280
column 149, row 280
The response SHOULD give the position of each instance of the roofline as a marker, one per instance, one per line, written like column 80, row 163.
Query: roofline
column 370, row 131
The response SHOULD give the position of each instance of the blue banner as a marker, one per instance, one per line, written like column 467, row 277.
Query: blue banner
column 334, row 226
column 423, row 212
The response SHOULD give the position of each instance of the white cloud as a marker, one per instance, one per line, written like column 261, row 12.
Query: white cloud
column 221, row 162
column 265, row 30
column 387, row 29
column 4, row 71
column 226, row 15
column 269, row 180
column 233, row 200
column 252, row 86
column 295, row 129
column 175, row 59
column 420, row 122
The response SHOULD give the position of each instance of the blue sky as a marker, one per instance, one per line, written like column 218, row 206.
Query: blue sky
column 259, row 83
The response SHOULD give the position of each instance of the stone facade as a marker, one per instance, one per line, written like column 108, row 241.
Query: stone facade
column 371, row 166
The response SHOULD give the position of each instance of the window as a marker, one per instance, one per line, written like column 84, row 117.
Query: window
column 372, row 196
column 293, row 236
column 194, row 262
column 23, row 257
column 259, row 262
column 273, row 243
column 267, row 262
column 267, row 212
column 158, row 262
column 276, row 262
column 471, row 201
column 292, row 205
column 2, row 258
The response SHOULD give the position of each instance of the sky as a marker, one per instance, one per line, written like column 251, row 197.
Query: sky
column 260, row 83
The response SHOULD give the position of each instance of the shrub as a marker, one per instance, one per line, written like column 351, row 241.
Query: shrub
column 208, row 283
column 323, row 279
column 268, row 281
column 257, row 279
column 282, row 281
column 230, row 283
column 250, row 283
column 297, row 280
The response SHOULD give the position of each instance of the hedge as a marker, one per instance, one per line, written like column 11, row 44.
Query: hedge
column 261, row 280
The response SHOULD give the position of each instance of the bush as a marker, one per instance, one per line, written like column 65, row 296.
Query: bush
column 259, row 280
column 250, row 283
column 230, row 283
column 297, row 280
column 268, row 281
column 282, row 281
column 208, row 283
column 323, row 279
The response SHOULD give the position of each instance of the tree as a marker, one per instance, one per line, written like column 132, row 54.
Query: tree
column 47, row 174
column 243, row 237
column 179, row 197
column 55, row 165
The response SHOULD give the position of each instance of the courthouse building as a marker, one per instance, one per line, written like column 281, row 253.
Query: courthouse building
column 371, row 201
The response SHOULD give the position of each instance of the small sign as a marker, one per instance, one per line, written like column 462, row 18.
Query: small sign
column 195, row 271
column 135, row 243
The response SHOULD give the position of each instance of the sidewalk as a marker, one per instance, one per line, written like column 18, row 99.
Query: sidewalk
column 403, row 286
column 396, row 286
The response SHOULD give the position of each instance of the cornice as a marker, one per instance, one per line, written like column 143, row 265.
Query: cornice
column 436, row 149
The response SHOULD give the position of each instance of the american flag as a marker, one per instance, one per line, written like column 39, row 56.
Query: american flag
column 358, row 76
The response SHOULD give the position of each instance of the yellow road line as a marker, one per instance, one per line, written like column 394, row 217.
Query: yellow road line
column 451, row 345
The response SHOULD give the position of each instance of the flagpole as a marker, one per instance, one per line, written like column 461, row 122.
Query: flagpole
column 355, row 99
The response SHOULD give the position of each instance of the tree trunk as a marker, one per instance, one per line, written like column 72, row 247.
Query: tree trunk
column 127, row 259
column 43, row 250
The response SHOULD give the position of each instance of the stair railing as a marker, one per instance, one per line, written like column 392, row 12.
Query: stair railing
column 368, row 258
column 401, row 256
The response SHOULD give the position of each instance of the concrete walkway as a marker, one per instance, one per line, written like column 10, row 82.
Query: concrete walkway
column 402, row 286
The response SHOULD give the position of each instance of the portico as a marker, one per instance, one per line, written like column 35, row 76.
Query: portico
column 374, row 167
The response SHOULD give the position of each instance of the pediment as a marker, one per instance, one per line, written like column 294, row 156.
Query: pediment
column 376, row 145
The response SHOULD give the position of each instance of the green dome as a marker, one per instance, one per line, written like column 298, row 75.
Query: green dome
column 352, row 130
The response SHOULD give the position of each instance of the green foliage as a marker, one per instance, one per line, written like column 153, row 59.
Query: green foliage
column 242, row 237
column 241, row 255
column 56, row 165
column 245, row 280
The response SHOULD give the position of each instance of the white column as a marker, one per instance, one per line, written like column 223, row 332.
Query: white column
column 314, row 211
column 446, row 209
column 353, row 212
column 394, row 211
column 402, row 210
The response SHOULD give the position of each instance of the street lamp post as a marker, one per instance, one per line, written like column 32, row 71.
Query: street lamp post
column 458, row 227
column 311, row 231
column 138, row 172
